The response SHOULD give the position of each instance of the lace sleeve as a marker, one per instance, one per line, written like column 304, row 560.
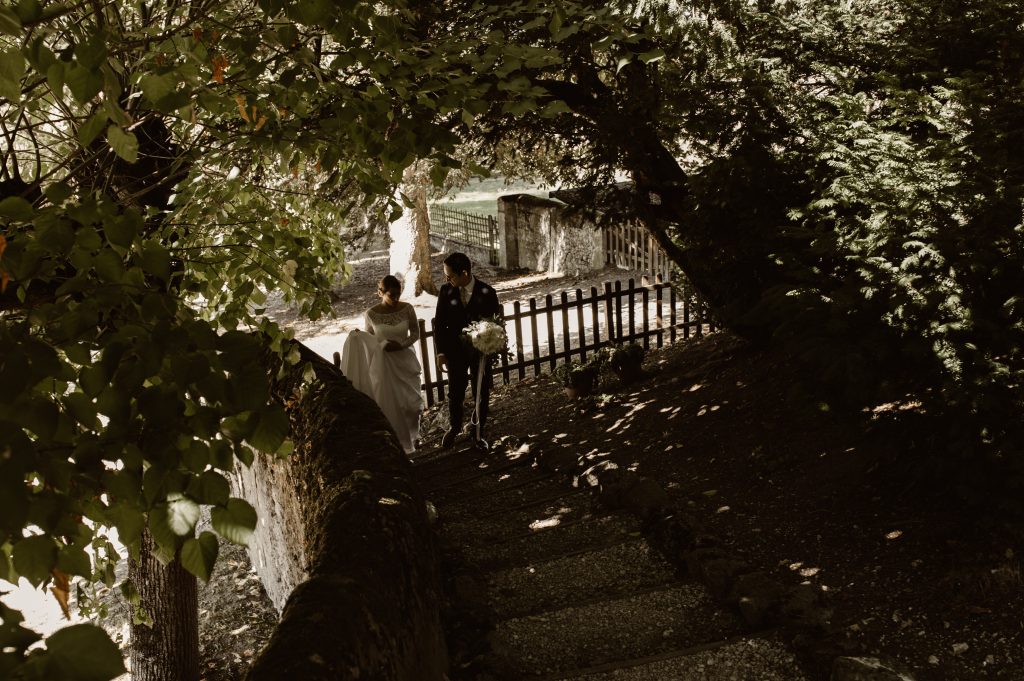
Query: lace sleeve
column 414, row 327
column 367, row 324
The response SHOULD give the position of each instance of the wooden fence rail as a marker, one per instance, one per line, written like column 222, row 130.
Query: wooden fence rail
column 565, row 328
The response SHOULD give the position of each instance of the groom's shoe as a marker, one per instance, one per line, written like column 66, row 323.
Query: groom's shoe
column 449, row 437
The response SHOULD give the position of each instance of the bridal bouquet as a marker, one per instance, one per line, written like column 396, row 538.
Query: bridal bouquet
column 488, row 337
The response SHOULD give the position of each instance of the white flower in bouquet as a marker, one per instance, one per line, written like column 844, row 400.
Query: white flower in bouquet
column 487, row 337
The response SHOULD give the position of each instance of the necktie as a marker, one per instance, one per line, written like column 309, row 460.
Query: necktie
column 466, row 293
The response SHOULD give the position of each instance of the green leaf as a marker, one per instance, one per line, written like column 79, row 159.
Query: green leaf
column 7, row 571
column 313, row 11
column 128, row 521
column 109, row 266
column 83, row 83
column 74, row 561
column 271, row 432
column 235, row 521
column 182, row 514
column 221, row 455
column 16, row 208
column 9, row 21
column 123, row 143
column 199, row 555
column 155, row 87
column 91, row 53
column 93, row 379
column 92, row 127
column 40, row 56
column 555, row 25
column 555, row 108
column 652, row 56
column 81, row 408
column 160, row 528
column 438, row 174
column 55, row 78
column 12, row 68
column 121, row 231
column 29, row 10
column 210, row 488
column 156, row 260
column 34, row 558
column 58, row 192
column 82, row 652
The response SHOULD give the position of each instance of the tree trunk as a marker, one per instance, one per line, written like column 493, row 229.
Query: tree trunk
column 410, row 239
column 169, row 649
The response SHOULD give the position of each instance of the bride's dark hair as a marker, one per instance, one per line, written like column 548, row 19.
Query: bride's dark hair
column 390, row 284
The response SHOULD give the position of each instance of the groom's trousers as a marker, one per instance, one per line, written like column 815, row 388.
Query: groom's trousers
column 460, row 375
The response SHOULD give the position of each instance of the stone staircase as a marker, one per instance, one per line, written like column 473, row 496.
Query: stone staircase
column 555, row 586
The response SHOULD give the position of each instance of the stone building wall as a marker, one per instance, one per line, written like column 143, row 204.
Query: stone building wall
column 535, row 234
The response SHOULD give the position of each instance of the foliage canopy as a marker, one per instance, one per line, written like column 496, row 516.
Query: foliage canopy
column 841, row 175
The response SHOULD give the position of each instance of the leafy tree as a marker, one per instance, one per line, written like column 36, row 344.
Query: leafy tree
column 166, row 167
column 833, row 175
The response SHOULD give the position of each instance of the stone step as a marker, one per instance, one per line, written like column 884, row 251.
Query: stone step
column 574, row 578
column 553, row 540
column 436, row 462
column 504, row 500
column 469, row 531
column 631, row 627
column 454, row 463
column 746, row 659
column 488, row 482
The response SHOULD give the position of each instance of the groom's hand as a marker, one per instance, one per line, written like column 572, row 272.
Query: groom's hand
column 392, row 346
column 442, row 363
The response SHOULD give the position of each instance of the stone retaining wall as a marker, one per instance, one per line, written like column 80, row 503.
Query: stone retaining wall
column 344, row 544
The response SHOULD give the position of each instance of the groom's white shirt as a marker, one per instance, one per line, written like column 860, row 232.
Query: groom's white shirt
column 466, row 292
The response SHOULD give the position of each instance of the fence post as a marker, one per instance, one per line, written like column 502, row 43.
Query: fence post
column 552, row 360
column 595, row 309
column 582, row 326
column 618, row 310
column 699, row 303
column 659, row 318
column 492, row 229
column 686, row 315
column 425, row 361
column 609, row 315
column 672, row 315
column 536, row 338
column 645, row 295
column 632, row 309
column 520, row 357
column 566, row 337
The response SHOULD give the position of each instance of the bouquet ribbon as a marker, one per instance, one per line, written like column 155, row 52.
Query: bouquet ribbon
column 475, row 419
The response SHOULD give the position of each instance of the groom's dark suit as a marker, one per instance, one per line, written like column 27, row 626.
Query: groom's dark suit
column 463, row 361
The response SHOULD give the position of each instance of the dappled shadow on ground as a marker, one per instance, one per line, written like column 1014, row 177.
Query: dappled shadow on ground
column 795, row 486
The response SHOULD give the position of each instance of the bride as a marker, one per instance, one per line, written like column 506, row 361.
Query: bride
column 381, row 363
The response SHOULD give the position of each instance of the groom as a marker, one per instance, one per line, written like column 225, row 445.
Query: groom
column 461, row 301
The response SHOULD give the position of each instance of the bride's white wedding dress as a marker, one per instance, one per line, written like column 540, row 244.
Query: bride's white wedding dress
column 392, row 379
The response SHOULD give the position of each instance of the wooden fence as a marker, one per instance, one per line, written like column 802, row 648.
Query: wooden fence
column 469, row 228
column 631, row 247
column 565, row 328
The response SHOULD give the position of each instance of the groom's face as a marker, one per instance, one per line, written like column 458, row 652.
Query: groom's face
column 459, row 279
